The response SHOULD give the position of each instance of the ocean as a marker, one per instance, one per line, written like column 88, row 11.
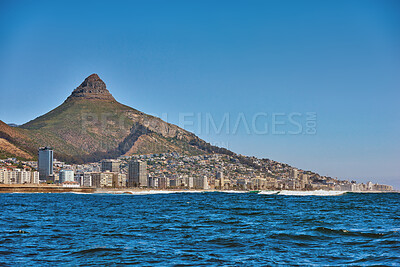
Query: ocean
column 209, row 229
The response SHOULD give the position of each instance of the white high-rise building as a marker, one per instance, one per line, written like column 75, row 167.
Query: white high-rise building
column 13, row 177
column 4, row 176
column 189, row 182
column 87, row 179
column 34, row 177
column 201, row 183
column 18, row 176
column 23, row 177
column 66, row 176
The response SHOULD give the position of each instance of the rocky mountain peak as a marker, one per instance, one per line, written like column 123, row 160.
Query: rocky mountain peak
column 92, row 88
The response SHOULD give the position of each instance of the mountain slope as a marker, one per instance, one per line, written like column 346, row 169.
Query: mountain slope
column 91, row 125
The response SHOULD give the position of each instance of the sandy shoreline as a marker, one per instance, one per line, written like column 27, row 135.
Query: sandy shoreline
column 30, row 188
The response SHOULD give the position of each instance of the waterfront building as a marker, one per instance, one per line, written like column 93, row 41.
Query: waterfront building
column 173, row 183
column 87, row 179
column 293, row 184
column 119, row 180
column 4, row 176
column 102, row 179
column 78, row 177
column 270, row 183
column 189, row 181
column 163, row 182
column 370, row 186
column 382, row 187
column 23, row 177
column 180, row 182
column 294, row 173
column 137, row 174
column 18, row 176
column 110, row 165
column 201, row 183
column 220, row 177
column 45, row 163
column 259, row 183
column 303, row 180
column 35, row 177
column 66, row 176
column 348, row 187
column 153, row 182
column 12, row 177
column 242, row 183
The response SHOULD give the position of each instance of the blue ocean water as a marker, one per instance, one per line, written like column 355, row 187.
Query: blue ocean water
column 199, row 229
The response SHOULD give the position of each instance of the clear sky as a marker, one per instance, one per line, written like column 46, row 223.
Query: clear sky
column 338, row 59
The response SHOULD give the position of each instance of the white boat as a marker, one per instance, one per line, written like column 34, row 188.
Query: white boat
column 268, row 192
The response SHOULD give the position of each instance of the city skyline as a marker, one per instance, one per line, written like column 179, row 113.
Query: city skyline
column 343, row 68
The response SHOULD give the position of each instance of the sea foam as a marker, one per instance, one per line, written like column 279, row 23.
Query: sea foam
column 311, row 193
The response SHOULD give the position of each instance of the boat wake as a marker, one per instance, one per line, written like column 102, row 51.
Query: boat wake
column 303, row 193
column 311, row 193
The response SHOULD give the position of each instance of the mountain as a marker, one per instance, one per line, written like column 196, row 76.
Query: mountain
column 91, row 125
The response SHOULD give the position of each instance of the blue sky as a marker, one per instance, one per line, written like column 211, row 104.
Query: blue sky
column 338, row 59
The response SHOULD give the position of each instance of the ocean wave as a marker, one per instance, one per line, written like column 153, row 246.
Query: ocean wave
column 133, row 192
column 76, row 193
column 299, row 237
column 352, row 232
column 96, row 250
column 311, row 193
column 226, row 242
column 232, row 192
column 244, row 229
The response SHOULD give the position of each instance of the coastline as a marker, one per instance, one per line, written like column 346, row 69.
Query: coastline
column 30, row 188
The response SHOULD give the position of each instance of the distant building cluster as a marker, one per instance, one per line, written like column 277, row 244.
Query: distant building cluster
column 18, row 176
column 175, row 171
